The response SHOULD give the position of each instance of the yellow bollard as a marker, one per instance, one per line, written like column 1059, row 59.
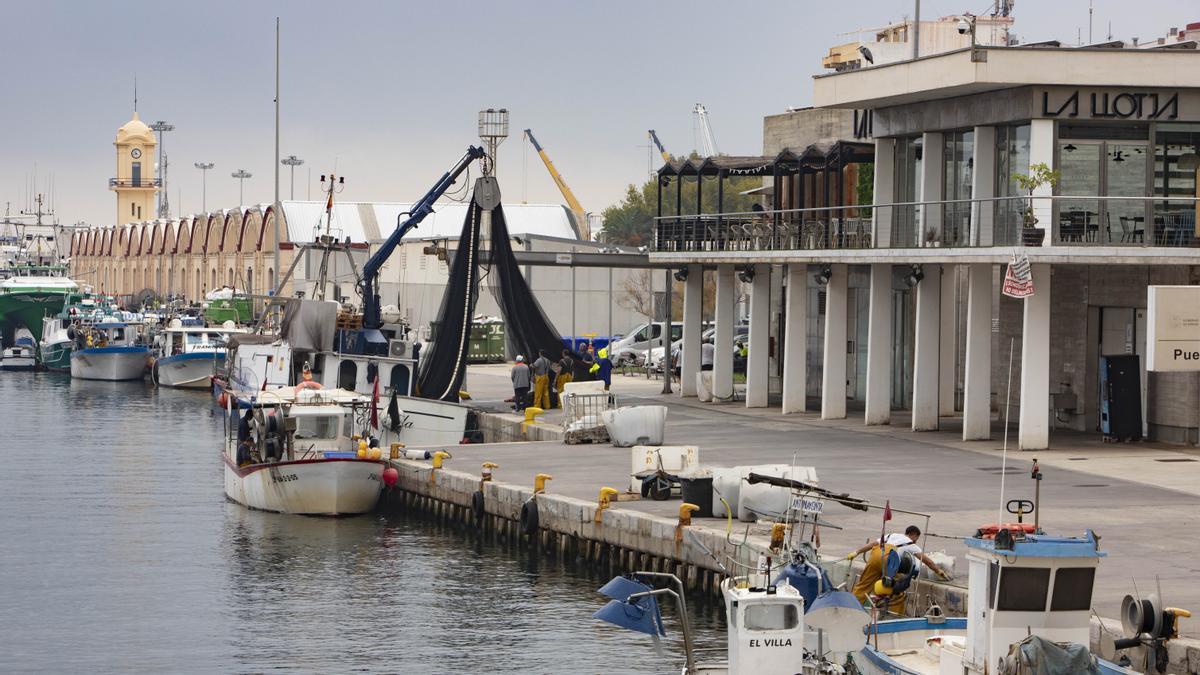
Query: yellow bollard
column 539, row 482
column 531, row 414
column 778, row 530
column 685, row 519
column 486, row 474
column 439, row 457
column 605, row 500
column 394, row 451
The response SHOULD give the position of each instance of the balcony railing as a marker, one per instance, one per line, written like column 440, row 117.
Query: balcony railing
column 954, row 223
column 131, row 183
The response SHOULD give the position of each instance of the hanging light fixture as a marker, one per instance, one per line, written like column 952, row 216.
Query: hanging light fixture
column 914, row 277
column 822, row 278
column 1070, row 147
column 746, row 274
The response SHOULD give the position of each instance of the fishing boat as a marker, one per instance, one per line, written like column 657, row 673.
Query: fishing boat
column 110, row 351
column 188, row 356
column 20, row 356
column 302, row 450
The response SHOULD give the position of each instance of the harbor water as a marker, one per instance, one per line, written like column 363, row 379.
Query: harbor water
column 120, row 553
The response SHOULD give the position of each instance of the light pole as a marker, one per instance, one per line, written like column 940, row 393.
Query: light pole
column 204, row 167
column 292, row 161
column 164, row 207
column 241, row 175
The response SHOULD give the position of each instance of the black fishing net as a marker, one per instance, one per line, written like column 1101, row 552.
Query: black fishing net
column 444, row 365
column 525, row 323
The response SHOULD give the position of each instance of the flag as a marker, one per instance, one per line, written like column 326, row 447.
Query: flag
column 375, row 406
column 393, row 412
column 887, row 515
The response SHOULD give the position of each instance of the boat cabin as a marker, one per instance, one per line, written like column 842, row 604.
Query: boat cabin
column 111, row 334
column 187, row 340
column 766, row 628
column 1020, row 585
column 299, row 424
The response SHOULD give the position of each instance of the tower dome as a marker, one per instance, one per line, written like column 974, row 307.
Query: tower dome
column 135, row 130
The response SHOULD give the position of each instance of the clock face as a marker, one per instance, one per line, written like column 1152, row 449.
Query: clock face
column 136, row 153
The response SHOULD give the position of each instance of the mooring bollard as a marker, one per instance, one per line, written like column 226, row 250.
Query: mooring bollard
column 605, row 500
column 438, row 458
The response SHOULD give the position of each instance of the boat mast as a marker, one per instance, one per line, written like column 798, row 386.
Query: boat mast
column 276, row 200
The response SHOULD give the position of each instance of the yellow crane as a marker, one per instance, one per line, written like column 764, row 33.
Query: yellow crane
column 572, row 203
column 658, row 144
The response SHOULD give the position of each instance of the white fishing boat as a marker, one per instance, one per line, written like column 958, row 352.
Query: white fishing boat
column 188, row 356
column 109, row 351
column 298, row 450
column 20, row 356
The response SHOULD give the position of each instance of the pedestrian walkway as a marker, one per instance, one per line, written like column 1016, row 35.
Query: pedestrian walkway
column 1143, row 499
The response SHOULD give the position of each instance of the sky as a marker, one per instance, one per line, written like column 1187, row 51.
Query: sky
column 387, row 93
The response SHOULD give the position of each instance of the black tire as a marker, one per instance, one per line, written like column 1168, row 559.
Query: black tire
column 477, row 507
column 529, row 518
column 660, row 489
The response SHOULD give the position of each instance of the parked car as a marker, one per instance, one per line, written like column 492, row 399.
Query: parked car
column 740, row 334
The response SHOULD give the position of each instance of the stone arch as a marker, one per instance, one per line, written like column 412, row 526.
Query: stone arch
column 168, row 239
column 107, row 242
column 183, row 236
column 156, row 239
column 147, row 239
column 212, row 241
column 251, row 233
column 199, row 233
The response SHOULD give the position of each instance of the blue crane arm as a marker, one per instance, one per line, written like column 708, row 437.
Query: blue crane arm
column 370, row 273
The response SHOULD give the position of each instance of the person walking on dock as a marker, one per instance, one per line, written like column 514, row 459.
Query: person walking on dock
column 520, row 381
column 586, row 360
column 541, row 381
column 873, row 572
column 566, row 371
column 603, row 368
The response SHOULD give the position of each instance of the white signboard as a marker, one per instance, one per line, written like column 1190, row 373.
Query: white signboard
column 564, row 258
column 805, row 504
column 1173, row 329
column 1018, row 279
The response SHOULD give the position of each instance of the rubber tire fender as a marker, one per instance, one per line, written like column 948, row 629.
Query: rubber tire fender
column 529, row 518
column 477, row 508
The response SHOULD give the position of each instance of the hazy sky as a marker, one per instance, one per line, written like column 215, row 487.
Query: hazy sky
column 389, row 91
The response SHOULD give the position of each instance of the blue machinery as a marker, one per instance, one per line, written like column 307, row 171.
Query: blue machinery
column 370, row 274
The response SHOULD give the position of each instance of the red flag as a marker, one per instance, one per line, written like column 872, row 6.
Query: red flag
column 887, row 515
column 375, row 405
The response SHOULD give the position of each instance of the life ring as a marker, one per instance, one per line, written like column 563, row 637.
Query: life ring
column 307, row 384
column 477, row 508
column 529, row 518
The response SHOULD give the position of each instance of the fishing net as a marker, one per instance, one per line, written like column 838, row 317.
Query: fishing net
column 444, row 365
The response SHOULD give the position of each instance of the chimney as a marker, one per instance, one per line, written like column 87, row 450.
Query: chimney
column 1173, row 32
column 1135, row 42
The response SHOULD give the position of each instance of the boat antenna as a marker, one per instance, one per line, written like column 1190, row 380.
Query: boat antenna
column 1004, row 451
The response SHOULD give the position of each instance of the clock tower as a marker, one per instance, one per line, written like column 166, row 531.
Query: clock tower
column 135, row 182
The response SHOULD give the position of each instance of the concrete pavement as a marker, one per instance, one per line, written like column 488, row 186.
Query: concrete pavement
column 1143, row 499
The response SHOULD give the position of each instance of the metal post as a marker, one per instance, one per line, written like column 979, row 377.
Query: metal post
column 610, row 299
column 697, row 227
column 666, row 336
column 574, row 329
column 277, row 209
column 916, row 32
column 204, row 167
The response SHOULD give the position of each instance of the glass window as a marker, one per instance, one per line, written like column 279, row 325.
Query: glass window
column 775, row 616
column 958, row 164
column 1022, row 589
column 1073, row 589
column 907, row 189
column 347, row 375
column 1012, row 156
column 1176, row 168
column 399, row 383
column 118, row 334
column 314, row 426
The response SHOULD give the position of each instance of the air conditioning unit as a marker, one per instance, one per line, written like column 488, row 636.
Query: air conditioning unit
column 399, row 349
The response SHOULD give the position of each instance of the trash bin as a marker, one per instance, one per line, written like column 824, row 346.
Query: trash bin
column 698, row 489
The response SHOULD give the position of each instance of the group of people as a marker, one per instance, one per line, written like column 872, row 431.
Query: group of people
column 545, row 375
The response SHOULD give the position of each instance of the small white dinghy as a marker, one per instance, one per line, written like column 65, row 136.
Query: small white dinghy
column 18, row 357
column 302, row 450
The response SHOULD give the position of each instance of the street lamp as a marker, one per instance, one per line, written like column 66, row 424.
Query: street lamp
column 241, row 175
column 292, row 161
column 164, row 208
column 204, row 167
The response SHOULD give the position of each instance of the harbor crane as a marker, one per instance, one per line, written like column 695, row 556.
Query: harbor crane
column 707, row 145
column 372, row 320
column 572, row 203
column 658, row 144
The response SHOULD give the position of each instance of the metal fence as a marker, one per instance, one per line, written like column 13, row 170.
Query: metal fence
column 1069, row 220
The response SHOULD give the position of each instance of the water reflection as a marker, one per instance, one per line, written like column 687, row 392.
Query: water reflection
column 121, row 553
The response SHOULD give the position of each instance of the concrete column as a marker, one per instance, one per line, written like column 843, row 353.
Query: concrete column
column 947, row 344
column 833, row 379
column 926, row 352
column 983, row 186
column 885, row 192
column 723, row 343
column 932, row 186
column 1041, row 150
column 1034, row 431
column 795, row 335
column 759, row 339
column 977, row 381
column 693, row 326
column 879, row 347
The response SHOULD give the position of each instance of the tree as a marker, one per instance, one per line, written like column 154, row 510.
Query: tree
column 636, row 296
column 631, row 221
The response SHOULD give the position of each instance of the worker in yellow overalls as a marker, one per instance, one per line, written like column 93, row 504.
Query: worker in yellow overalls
column 566, row 371
column 541, row 381
column 896, row 586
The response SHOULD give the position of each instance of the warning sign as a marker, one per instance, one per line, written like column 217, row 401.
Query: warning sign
column 1018, row 280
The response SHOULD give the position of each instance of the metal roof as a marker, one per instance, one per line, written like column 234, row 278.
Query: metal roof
column 374, row 221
